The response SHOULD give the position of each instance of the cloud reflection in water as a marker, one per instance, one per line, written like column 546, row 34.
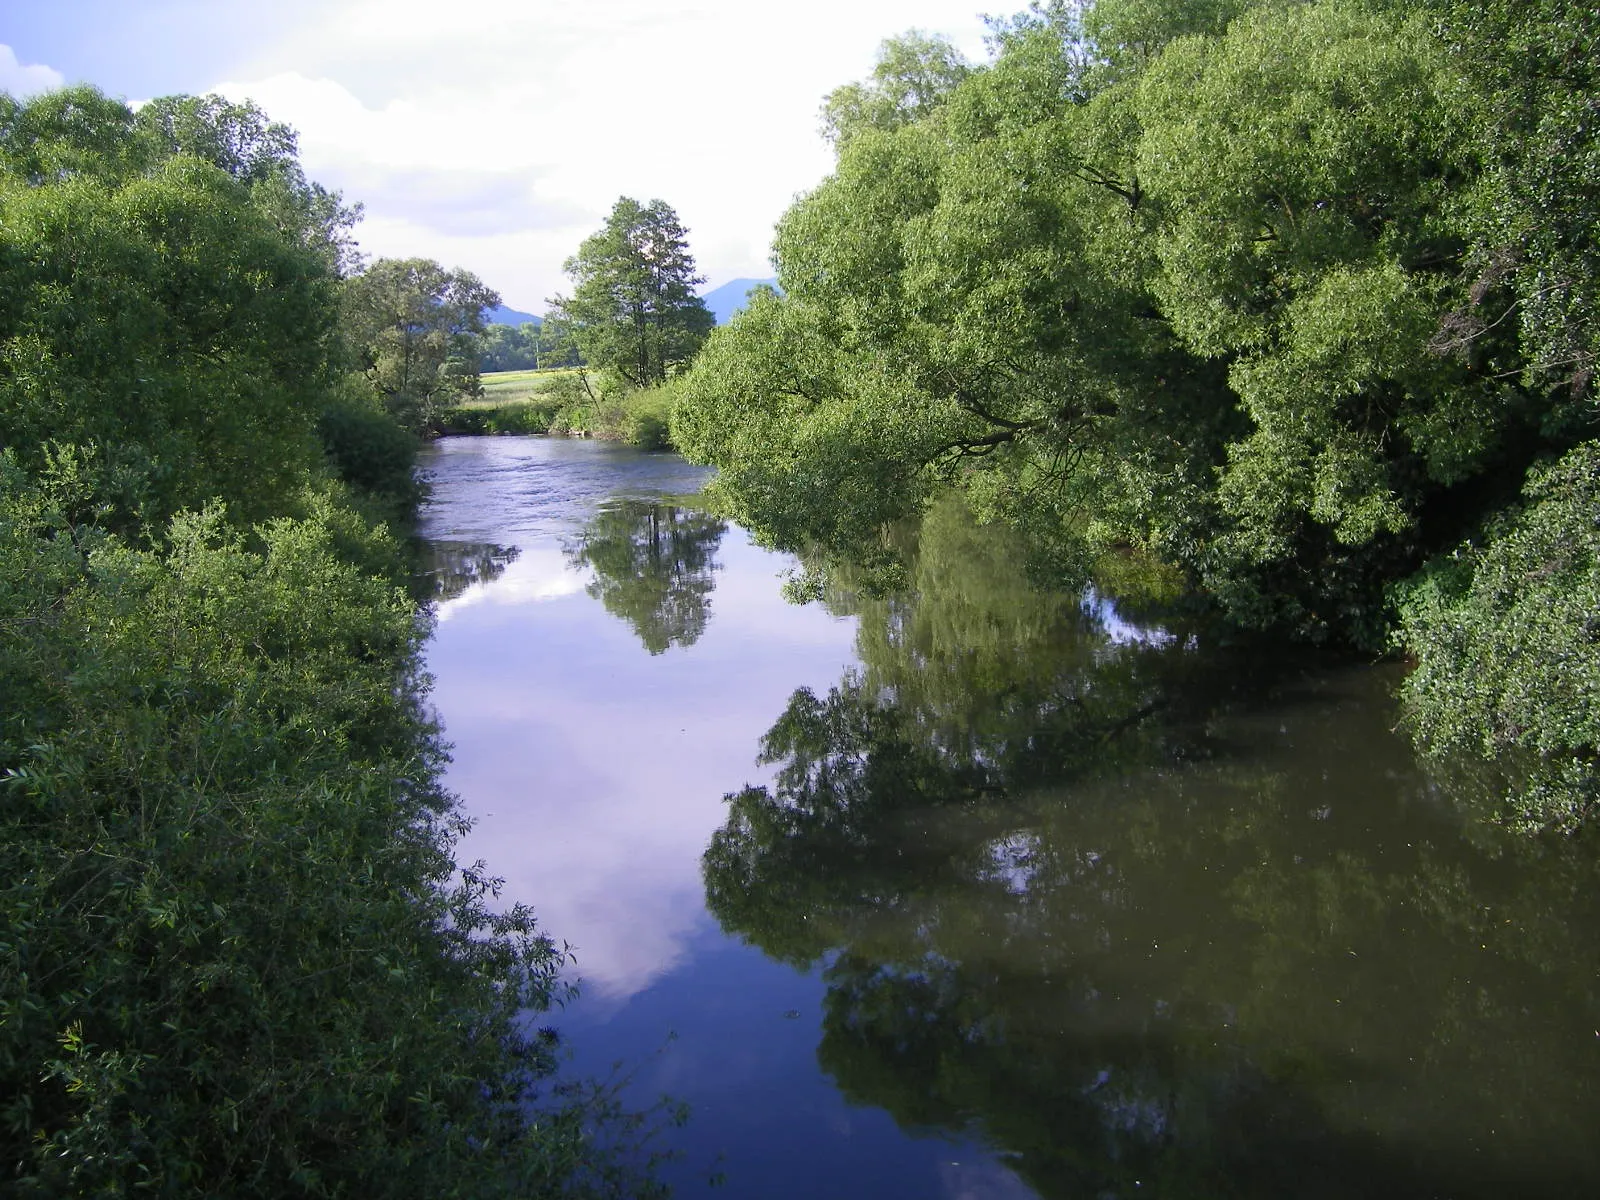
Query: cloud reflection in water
column 596, row 770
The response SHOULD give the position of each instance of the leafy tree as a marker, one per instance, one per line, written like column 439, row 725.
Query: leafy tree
column 243, row 141
column 75, row 131
column 633, row 306
column 238, row 955
column 509, row 348
column 952, row 311
column 1532, row 224
column 1286, row 298
column 913, row 76
column 416, row 327
column 172, row 291
column 556, row 345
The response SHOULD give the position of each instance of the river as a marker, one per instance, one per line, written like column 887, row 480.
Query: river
column 979, row 892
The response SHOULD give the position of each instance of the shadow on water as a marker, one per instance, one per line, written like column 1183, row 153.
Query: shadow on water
column 1149, row 914
column 654, row 567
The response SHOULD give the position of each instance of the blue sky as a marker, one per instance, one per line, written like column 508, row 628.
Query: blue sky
column 495, row 137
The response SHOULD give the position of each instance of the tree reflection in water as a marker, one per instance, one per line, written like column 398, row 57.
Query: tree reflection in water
column 1157, row 919
column 447, row 569
column 654, row 566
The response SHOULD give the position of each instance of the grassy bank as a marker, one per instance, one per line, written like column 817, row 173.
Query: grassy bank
column 567, row 402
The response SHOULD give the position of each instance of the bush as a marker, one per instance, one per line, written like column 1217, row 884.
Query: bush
column 1507, row 642
column 368, row 449
column 522, row 417
column 237, row 956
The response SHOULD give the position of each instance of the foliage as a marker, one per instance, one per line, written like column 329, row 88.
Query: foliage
column 1532, row 227
column 535, row 415
column 237, row 960
column 241, row 140
column 237, row 956
column 1287, row 298
column 567, row 403
column 913, row 76
column 415, row 327
column 648, row 423
column 1191, row 311
column 530, row 346
column 369, row 450
column 171, row 292
column 633, row 308
column 509, row 348
column 1507, row 637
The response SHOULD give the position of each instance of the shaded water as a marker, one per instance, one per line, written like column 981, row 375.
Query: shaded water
column 1023, row 896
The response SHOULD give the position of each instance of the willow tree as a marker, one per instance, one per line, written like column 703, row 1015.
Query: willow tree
column 633, row 306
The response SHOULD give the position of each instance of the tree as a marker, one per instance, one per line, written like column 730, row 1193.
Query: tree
column 1507, row 639
column 509, row 348
column 914, row 75
column 256, row 150
column 239, row 956
column 633, row 307
column 416, row 327
column 1184, row 294
column 155, row 317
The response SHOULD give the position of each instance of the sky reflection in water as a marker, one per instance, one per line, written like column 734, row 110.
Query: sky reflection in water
column 597, row 771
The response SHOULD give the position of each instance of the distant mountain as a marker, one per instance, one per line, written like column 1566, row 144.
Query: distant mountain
column 728, row 299
column 501, row 315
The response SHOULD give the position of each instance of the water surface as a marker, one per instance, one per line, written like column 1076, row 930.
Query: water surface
column 978, row 891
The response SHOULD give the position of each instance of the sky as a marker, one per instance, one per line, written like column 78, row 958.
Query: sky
column 496, row 137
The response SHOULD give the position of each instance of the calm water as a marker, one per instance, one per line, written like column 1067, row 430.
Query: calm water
column 977, row 892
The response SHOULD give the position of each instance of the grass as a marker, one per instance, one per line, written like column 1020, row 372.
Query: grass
column 515, row 387
column 555, row 401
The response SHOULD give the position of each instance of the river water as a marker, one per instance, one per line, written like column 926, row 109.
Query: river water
column 980, row 892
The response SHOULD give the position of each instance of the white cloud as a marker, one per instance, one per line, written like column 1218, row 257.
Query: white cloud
column 27, row 80
column 535, row 575
column 497, row 138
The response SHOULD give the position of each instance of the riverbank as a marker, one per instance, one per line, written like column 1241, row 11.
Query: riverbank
column 564, row 403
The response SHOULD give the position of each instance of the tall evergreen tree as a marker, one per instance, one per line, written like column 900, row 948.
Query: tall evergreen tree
column 633, row 306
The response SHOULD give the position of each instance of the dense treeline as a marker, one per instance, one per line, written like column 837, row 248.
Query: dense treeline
column 236, row 956
column 1287, row 300
column 532, row 346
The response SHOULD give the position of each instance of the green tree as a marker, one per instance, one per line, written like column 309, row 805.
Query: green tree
column 1507, row 637
column 416, row 327
column 633, row 306
column 1533, row 249
column 243, row 141
column 915, row 73
column 160, row 321
column 509, row 348
column 1206, row 281
column 556, row 347
column 239, row 957
column 1288, row 298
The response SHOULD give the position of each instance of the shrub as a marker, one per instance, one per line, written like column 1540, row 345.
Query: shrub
column 1507, row 641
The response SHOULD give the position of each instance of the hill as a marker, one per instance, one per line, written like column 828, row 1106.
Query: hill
column 501, row 315
column 728, row 299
